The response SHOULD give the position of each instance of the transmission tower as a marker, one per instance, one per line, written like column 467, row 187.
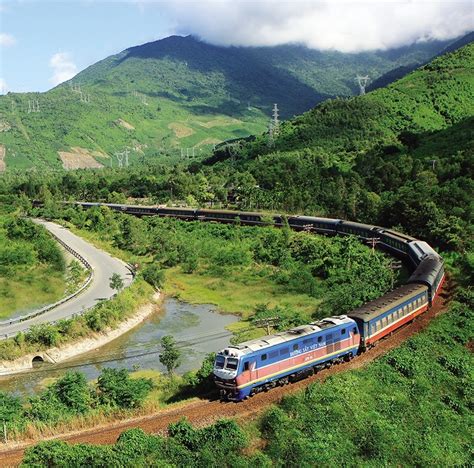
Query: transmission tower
column 126, row 153
column 275, row 120
column 362, row 81
column 33, row 106
column 120, row 157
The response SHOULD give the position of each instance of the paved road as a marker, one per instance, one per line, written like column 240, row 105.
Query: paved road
column 103, row 267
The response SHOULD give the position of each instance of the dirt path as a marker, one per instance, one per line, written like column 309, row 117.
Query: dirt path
column 204, row 412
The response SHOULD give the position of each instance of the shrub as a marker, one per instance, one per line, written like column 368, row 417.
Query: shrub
column 117, row 389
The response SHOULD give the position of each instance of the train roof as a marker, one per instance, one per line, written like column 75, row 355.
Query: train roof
column 422, row 249
column 368, row 227
column 316, row 219
column 289, row 335
column 427, row 270
column 374, row 308
column 400, row 235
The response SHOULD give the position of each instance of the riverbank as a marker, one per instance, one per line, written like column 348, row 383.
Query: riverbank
column 86, row 344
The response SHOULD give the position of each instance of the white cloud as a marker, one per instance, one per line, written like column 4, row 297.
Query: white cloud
column 63, row 67
column 348, row 26
column 7, row 40
column 3, row 86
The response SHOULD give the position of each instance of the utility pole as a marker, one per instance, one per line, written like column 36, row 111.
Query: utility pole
column 373, row 241
column 395, row 265
column 362, row 82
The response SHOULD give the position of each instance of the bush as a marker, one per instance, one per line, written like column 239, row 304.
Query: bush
column 117, row 389
column 154, row 276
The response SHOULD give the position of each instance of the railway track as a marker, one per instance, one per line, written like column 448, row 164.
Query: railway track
column 206, row 411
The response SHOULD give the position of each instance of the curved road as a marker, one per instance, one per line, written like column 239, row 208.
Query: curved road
column 103, row 267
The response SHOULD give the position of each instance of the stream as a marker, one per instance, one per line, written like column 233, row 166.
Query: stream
column 198, row 330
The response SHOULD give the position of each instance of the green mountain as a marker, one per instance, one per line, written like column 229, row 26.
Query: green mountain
column 401, row 155
column 403, row 70
column 161, row 98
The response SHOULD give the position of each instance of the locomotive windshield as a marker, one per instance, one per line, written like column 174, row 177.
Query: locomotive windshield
column 231, row 363
column 227, row 363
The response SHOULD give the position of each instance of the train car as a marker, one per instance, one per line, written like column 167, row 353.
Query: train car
column 174, row 212
column 221, row 216
column 137, row 210
column 320, row 225
column 393, row 242
column 430, row 272
column 418, row 250
column 363, row 231
column 380, row 317
column 251, row 219
column 253, row 366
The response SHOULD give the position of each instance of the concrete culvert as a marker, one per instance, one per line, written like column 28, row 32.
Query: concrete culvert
column 37, row 361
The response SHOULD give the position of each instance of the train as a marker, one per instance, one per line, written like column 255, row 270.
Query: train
column 243, row 370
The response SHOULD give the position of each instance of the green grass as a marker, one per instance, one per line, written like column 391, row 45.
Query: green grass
column 30, row 290
column 238, row 293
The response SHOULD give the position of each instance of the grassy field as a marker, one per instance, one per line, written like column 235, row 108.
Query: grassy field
column 236, row 294
column 30, row 290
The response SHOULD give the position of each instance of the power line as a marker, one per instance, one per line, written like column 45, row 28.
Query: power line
column 180, row 344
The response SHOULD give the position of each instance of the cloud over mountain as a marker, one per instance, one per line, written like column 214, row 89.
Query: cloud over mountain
column 63, row 67
column 348, row 26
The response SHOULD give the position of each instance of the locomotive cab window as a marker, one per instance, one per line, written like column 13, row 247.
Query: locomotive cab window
column 343, row 331
column 246, row 366
column 232, row 363
column 354, row 330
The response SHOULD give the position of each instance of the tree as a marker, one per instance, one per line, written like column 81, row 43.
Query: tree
column 11, row 409
column 116, row 388
column 171, row 355
column 73, row 392
column 116, row 282
column 152, row 275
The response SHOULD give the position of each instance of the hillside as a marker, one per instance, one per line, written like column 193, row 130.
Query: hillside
column 178, row 93
column 400, row 72
column 402, row 155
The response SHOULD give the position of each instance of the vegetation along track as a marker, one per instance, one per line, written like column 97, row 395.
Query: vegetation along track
column 204, row 412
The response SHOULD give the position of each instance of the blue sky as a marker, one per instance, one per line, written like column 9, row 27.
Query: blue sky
column 44, row 42
column 81, row 32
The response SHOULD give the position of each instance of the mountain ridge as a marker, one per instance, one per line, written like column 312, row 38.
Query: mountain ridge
column 177, row 96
